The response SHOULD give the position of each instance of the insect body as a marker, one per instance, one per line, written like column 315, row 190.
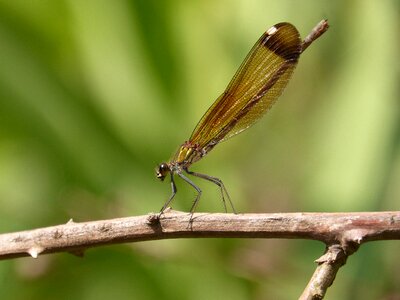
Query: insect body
column 255, row 87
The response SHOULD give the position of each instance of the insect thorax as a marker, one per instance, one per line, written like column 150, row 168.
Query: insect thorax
column 187, row 154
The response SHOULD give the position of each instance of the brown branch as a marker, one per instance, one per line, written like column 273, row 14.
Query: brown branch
column 315, row 33
column 324, row 275
column 343, row 233
column 349, row 230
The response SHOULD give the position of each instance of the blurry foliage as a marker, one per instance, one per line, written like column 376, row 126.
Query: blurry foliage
column 93, row 94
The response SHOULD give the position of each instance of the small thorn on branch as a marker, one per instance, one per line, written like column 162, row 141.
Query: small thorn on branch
column 35, row 251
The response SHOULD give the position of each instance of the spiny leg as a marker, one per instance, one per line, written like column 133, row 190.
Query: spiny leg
column 220, row 184
column 174, row 190
column 196, row 201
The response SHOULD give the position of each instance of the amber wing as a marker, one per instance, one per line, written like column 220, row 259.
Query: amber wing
column 255, row 87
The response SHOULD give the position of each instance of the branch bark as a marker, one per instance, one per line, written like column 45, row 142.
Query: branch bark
column 324, row 275
column 343, row 233
column 349, row 230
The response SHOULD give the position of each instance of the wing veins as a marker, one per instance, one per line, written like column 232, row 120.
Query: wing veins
column 256, row 85
column 252, row 102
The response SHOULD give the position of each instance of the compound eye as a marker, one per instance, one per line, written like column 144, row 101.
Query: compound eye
column 164, row 167
column 162, row 171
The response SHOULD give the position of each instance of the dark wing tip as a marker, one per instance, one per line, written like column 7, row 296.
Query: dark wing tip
column 284, row 40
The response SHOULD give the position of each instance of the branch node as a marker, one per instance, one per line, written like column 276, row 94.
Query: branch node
column 352, row 239
column 105, row 227
column 70, row 222
column 323, row 277
column 333, row 254
column 153, row 219
column 57, row 234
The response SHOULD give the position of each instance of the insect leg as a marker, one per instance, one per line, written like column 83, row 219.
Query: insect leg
column 174, row 190
column 220, row 184
column 196, row 201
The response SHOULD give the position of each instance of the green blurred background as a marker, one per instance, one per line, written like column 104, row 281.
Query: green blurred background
column 94, row 94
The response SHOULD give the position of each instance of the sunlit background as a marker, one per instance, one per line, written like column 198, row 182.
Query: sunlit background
column 94, row 94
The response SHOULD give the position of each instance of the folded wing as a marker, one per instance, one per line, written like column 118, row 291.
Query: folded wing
column 255, row 87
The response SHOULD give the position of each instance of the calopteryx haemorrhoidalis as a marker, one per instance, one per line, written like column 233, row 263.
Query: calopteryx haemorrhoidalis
column 255, row 87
